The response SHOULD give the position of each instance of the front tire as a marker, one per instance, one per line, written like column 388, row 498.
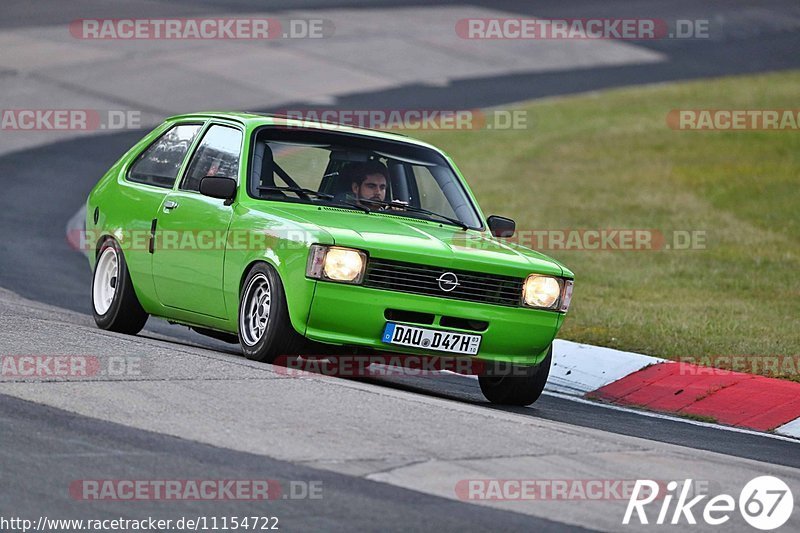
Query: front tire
column 114, row 303
column 265, row 331
column 513, row 388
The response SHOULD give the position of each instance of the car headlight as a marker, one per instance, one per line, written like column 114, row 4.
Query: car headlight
column 541, row 291
column 335, row 263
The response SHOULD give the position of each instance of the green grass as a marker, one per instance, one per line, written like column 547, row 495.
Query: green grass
column 699, row 418
column 609, row 160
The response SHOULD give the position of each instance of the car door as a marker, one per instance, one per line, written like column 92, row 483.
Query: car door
column 192, row 228
column 148, row 180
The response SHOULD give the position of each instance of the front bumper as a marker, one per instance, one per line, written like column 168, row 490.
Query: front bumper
column 354, row 315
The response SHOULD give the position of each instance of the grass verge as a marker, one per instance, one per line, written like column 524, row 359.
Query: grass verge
column 608, row 160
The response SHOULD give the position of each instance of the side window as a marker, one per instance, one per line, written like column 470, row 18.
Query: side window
column 160, row 163
column 217, row 155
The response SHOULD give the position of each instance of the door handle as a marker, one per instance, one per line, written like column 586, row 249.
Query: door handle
column 169, row 205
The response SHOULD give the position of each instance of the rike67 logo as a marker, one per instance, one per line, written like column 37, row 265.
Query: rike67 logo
column 766, row 503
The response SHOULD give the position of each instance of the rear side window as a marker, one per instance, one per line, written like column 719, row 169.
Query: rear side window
column 217, row 155
column 160, row 163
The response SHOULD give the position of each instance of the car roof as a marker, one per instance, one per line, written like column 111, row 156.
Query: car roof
column 268, row 119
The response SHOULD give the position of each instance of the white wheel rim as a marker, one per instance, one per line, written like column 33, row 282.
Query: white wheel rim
column 106, row 281
column 255, row 309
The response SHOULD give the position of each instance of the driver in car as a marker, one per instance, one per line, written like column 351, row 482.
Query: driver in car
column 368, row 181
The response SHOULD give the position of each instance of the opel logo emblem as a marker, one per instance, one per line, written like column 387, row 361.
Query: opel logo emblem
column 448, row 281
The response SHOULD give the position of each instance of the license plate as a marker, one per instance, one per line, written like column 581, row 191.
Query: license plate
column 431, row 339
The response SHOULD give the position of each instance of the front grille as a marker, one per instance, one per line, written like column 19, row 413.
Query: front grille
column 421, row 279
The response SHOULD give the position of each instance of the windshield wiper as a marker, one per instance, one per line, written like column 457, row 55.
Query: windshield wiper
column 421, row 210
column 308, row 193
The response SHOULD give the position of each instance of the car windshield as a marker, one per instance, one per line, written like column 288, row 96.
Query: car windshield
column 361, row 173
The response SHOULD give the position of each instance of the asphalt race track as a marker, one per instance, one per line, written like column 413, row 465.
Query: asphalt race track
column 118, row 451
column 387, row 451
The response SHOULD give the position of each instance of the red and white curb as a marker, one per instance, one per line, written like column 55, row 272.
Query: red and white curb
column 579, row 369
column 640, row 381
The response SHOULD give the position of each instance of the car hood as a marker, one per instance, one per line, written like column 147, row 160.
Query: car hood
column 411, row 240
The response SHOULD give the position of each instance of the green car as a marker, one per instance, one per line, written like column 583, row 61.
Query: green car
column 280, row 233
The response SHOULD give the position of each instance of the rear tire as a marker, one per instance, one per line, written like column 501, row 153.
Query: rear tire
column 265, row 330
column 522, row 387
column 114, row 303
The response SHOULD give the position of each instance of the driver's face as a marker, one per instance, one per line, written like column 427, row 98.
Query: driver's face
column 372, row 188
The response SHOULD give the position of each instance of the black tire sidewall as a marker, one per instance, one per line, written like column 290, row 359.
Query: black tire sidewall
column 518, row 390
column 125, row 314
column 271, row 343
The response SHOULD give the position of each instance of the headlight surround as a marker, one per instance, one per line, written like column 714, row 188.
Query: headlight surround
column 542, row 292
column 335, row 263
column 566, row 295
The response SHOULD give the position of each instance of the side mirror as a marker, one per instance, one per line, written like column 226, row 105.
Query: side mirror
column 501, row 226
column 216, row 187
